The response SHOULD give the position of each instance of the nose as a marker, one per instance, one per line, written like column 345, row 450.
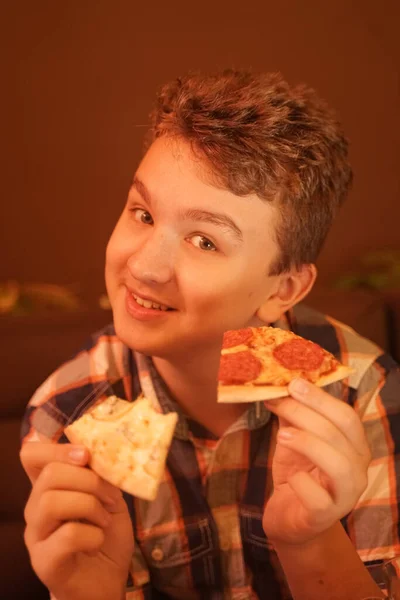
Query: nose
column 153, row 262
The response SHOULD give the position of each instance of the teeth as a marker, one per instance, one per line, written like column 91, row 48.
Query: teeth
column 148, row 304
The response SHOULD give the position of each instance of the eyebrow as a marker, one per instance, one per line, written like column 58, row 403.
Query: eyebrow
column 142, row 189
column 195, row 214
column 218, row 219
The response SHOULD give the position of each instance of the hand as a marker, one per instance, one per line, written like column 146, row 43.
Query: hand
column 78, row 533
column 319, row 467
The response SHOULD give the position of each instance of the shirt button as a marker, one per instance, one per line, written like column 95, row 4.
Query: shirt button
column 157, row 554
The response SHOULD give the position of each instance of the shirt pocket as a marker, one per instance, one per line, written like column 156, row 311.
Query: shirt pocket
column 261, row 558
column 254, row 538
column 181, row 556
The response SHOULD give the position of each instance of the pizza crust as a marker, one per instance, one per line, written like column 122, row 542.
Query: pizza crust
column 253, row 393
column 128, row 443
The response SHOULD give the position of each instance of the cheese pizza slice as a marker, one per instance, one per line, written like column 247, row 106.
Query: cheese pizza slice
column 128, row 443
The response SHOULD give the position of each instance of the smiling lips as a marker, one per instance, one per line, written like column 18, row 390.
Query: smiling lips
column 149, row 304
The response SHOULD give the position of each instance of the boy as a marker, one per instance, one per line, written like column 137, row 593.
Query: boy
column 224, row 220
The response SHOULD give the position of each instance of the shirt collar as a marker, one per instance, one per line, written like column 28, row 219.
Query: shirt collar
column 155, row 389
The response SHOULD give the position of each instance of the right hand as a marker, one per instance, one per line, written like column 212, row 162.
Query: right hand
column 79, row 533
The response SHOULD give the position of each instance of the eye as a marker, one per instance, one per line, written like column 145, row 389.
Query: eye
column 199, row 241
column 142, row 215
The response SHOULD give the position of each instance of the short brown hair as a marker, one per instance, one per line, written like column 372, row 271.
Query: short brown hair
column 259, row 135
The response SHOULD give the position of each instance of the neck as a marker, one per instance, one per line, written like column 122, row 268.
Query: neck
column 189, row 376
column 192, row 382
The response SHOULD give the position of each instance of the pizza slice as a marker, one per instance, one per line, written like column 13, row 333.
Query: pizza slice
column 258, row 363
column 128, row 443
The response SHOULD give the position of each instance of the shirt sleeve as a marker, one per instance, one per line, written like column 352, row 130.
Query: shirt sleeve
column 56, row 401
column 101, row 368
column 60, row 400
column 373, row 525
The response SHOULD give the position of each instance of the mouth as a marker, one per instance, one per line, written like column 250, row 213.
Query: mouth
column 146, row 303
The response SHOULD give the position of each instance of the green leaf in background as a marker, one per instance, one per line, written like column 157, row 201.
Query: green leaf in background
column 379, row 270
column 30, row 298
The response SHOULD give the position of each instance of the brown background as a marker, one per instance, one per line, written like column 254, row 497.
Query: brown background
column 79, row 78
column 77, row 81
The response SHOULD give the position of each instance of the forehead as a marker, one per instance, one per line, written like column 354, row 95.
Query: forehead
column 177, row 179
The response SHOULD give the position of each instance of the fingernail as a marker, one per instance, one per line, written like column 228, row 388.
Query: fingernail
column 299, row 386
column 111, row 502
column 285, row 434
column 77, row 455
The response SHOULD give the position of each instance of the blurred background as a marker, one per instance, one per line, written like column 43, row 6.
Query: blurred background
column 79, row 78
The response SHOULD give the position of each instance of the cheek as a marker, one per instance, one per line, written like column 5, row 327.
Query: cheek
column 115, row 264
column 220, row 290
column 118, row 249
column 112, row 264
column 111, row 252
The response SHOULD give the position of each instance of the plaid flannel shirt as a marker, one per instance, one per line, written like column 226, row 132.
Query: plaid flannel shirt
column 202, row 537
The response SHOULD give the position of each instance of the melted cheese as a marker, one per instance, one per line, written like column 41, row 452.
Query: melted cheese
column 128, row 441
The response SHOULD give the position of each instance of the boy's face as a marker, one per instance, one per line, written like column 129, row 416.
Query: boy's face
column 199, row 250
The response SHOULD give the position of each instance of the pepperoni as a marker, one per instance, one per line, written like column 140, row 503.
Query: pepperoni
column 235, row 338
column 239, row 367
column 299, row 354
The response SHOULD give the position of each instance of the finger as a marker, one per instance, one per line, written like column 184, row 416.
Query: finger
column 315, row 499
column 293, row 412
column 338, row 412
column 60, row 476
column 36, row 455
column 348, row 479
column 62, row 545
column 57, row 507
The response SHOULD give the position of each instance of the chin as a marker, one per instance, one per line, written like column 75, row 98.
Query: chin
column 150, row 343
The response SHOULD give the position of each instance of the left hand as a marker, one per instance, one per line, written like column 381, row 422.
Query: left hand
column 319, row 467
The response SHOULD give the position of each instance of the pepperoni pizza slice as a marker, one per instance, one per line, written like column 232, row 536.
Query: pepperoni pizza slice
column 258, row 363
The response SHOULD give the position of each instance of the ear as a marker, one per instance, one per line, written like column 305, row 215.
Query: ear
column 291, row 288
